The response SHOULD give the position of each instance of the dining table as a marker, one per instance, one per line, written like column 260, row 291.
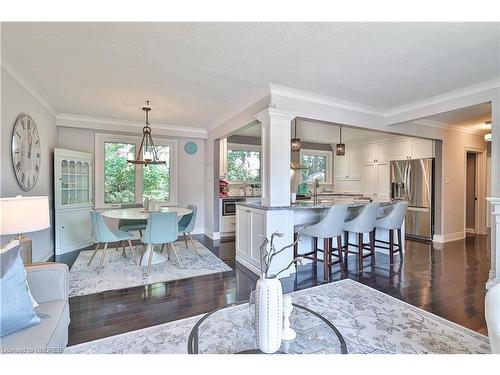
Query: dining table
column 139, row 213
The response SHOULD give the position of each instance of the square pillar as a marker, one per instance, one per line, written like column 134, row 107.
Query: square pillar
column 494, row 277
column 275, row 156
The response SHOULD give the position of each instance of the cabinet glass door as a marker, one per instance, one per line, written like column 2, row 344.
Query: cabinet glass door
column 75, row 182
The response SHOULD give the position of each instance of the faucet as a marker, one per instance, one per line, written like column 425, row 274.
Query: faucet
column 315, row 190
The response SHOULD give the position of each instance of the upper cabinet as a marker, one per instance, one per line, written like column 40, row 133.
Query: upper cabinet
column 349, row 166
column 411, row 148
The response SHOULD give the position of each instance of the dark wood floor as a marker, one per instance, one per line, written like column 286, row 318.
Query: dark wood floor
column 448, row 281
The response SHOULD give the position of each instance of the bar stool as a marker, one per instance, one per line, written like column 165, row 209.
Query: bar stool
column 363, row 223
column 392, row 220
column 331, row 226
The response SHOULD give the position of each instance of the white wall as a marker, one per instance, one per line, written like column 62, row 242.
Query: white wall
column 16, row 99
column 191, row 168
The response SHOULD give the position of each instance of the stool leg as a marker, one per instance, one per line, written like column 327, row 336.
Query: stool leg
column 372, row 246
column 360, row 252
column 346, row 240
column 400, row 244
column 296, row 246
column 339, row 250
column 326, row 258
column 315, row 249
column 391, row 246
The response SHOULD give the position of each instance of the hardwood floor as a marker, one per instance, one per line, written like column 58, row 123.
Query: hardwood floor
column 448, row 281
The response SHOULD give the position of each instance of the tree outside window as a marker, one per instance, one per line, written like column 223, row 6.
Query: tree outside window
column 316, row 167
column 243, row 165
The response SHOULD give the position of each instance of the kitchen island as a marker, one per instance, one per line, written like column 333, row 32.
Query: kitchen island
column 253, row 221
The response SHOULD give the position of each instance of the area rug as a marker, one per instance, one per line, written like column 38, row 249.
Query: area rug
column 119, row 272
column 370, row 321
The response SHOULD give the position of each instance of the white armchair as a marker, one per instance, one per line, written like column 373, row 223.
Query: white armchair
column 492, row 312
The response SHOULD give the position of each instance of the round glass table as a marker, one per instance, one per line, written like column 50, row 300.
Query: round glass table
column 231, row 330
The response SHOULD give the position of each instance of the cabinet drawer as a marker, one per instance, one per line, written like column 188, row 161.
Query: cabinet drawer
column 228, row 224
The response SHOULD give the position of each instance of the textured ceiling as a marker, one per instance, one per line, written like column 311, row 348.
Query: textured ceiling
column 197, row 74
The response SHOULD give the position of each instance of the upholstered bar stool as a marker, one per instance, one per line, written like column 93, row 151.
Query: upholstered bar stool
column 331, row 226
column 361, row 224
column 392, row 220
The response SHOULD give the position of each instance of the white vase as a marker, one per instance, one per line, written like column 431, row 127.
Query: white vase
column 268, row 314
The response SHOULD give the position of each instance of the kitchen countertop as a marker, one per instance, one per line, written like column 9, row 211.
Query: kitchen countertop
column 240, row 196
column 301, row 205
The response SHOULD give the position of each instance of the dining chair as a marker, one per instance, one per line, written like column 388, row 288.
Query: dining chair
column 103, row 234
column 161, row 229
column 129, row 225
column 186, row 225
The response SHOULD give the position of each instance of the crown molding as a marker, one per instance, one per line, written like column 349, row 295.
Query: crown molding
column 450, row 95
column 25, row 80
column 447, row 127
column 312, row 97
column 102, row 123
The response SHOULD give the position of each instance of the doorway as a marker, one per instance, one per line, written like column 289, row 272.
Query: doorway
column 470, row 193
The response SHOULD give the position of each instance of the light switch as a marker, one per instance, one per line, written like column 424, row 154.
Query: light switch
column 446, row 180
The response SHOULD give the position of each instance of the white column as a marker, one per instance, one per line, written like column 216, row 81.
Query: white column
column 275, row 156
column 494, row 277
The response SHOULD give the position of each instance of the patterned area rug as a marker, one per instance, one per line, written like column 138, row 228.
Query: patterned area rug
column 370, row 321
column 119, row 272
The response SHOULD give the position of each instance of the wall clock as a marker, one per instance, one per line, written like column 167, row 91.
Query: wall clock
column 190, row 148
column 26, row 151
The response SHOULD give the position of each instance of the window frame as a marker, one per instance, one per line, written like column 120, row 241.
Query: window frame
column 329, row 163
column 250, row 148
column 102, row 138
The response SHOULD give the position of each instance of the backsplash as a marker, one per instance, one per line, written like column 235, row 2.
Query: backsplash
column 240, row 189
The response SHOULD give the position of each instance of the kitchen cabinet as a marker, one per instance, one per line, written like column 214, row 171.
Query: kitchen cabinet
column 228, row 224
column 349, row 166
column 376, row 179
column 223, row 158
column 422, row 148
column 369, row 153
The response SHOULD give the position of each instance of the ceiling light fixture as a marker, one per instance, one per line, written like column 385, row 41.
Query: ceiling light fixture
column 340, row 147
column 295, row 141
column 147, row 153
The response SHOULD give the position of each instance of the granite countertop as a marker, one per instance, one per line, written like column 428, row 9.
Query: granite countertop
column 301, row 205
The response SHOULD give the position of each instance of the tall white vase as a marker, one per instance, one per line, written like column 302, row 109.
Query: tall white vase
column 268, row 314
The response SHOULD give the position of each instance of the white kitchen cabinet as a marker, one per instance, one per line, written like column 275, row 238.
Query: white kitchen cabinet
column 376, row 179
column 396, row 150
column 223, row 158
column 422, row 148
column 369, row 153
column 72, row 200
column 349, row 166
column 228, row 224
column 243, row 230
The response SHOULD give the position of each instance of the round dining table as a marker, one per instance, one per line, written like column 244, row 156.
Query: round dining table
column 139, row 213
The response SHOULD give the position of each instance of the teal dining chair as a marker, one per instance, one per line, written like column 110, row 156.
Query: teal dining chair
column 129, row 225
column 161, row 229
column 186, row 225
column 103, row 234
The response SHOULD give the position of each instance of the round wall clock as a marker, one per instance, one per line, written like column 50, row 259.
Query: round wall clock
column 190, row 148
column 26, row 151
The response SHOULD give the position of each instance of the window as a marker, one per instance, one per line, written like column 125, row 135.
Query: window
column 318, row 164
column 118, row 182
column 243, row 163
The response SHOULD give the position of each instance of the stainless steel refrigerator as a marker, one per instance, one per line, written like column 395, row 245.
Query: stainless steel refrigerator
column 413, row 180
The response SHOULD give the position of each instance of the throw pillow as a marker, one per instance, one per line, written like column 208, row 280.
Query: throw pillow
column 16, row 307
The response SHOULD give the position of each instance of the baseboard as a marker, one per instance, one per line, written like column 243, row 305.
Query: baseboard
column 470, row 230
column 212, row 235
column 448, row 237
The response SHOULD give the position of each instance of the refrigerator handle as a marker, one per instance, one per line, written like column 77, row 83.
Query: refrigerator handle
column 408, row 184
column 405, row 186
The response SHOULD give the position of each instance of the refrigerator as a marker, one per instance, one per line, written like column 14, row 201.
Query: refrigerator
column 413, row 180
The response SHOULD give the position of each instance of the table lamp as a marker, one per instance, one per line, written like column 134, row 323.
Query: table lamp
column 20, row 215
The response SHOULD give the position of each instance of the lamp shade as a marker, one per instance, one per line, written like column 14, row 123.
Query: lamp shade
column 23, row 214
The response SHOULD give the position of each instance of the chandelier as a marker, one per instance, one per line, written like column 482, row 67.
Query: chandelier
column 147, row 153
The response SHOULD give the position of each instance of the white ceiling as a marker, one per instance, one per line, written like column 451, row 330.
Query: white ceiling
column 469, row 118
column 197, row 74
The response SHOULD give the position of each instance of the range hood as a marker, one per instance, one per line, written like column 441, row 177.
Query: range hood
column 295, row 165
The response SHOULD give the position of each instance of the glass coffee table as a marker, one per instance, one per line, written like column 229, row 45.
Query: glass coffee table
column 231, row 330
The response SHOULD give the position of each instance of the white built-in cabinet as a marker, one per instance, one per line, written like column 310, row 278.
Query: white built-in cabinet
column 350, row 165
column 377, row 177
column 223, row 157
column 411, row 148
column 72, row 200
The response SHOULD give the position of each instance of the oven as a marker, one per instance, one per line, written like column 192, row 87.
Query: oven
column 229, row 206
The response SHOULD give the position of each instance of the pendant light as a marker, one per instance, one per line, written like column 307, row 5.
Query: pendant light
column 487, row 136
column 295, row 141
column 147, row 153
column 340, row 147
